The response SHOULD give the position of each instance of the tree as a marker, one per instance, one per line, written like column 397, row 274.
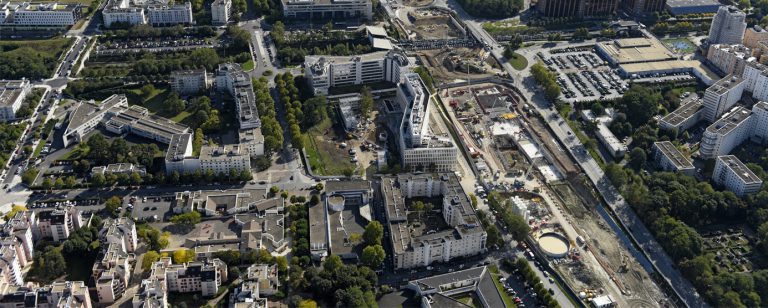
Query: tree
column 679, row 240
column 319, row 187
column 366, row 102
column 174, row 105
column 112, row 204
column 637, row 158
column 183, row 256
column 640, row 102
column 581, row 33
column 29, row 176
column 47, row 184
column 136, row 178
column 58, row 184
column 616, row 174
column 149, row 258
column 274, row 190
column 307, row 303
column 15, row 209
column 197, row 142
column 373, row 233
column 98, row 180
column 373, row 256
column 518, row 227
column 189, row 218
column 282, row 264
column 70, row 182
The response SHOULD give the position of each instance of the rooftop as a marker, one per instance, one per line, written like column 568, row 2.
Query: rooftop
column 348, row 185
column 178, row 147
column 477, row 279
column 689, row 3
column 729, row 121
column 738, row 168
column 726, row 84
column 633, row 50
column 220, row 152
column 683, row 112
column 694, row 65
column 673, row 154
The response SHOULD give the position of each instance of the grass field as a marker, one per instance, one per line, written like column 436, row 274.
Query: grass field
column 247, row 66
column 502, row 27
column 31, row 58
column 325, row 157
column 518, row 62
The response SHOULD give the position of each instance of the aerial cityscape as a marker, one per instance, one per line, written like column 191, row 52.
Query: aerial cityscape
column 384, row 153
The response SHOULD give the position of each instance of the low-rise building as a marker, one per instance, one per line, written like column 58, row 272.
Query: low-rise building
column 220, row 12
column 12, row 94
column 616, row 147
column 732, row 174
column 347, row 210
column 439, row 290
column 684, row 117
column 189, row 82
column 669, row 158
column 121, row 168
column 418, row 242
column 152, row 294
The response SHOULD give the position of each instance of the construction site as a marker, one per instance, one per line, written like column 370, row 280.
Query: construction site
column 460, row 63
column 427, row 24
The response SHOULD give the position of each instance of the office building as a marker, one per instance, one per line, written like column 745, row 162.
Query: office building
column 327, row 9
column 345, row 210
column 152, row 294
column 121, row 232
column 732, row 174
column 117, row 117
column 199, row 276
column 324, row 72
column 170, row 15
column 643, row 7
column 669, row 158
column 189, row 82
column 729, row 59
column 441, row 290
column 12, row 94
column 422, row 145
column 46, row 14
column 728, row 26
column 684, row 117
column 58, row 224
column 577, row 8
column 230, row 77
column 220, row 12
column 688, row 7
column 722, row 96
column 754, row 35
column 415, row 241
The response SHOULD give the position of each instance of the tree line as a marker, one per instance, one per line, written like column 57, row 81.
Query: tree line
column 547, row 80
column 492, row 8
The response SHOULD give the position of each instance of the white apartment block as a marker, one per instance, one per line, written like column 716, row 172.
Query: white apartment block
column 204, row 277
column 120, row 232
column 323, row 72
column 230, row 77
column 12, row 94
column 732, row 174
column 23, row 226
column 170, row 15
column 421, row 148
column 179, row 156
column 734, row 128
column 220, row 11
column 252, row 140
column 189, row 82
column 728, row 26
column 610, row 142
column 225, row 158
column 59, row 223
column 684, row 117
column 152, row 294
column 332, row 9
column 669, row 158
column 12, row 261
column 112, row 274
column 121, row 11
column 46, row 14
column 729, row 59
column 464, row 235
column 69, row 294
column 721, row 96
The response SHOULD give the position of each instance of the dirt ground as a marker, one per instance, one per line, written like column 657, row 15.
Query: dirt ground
column 634, row 282
column 439, row 61
column 417, row 3
column 428, row 24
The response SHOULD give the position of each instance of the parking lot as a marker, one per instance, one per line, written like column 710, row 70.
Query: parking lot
column 582, row 74
column 149, row 207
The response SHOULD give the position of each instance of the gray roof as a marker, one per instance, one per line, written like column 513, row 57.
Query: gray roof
column 482, row 280
column 347, row 185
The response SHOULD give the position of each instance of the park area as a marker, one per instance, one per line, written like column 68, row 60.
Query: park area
column 32, row 59
column 680, row 45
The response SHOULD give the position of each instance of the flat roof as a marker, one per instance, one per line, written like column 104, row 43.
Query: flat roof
column 479, row 277
column 318, row 227
column 347, row 185
column 376, row 31
column 726, row 84
column 691, row 3
column 737, row 167
column 632, row 68
column 731, row 120
column 636, row 50
column 177, row 147
column 9, row 96
column 671, row 152
column 228, row 150
column 382, row 44
column 684, row 112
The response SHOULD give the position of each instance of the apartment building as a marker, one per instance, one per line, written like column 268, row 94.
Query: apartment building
column 46, row 14
column 23, row 226
column 220, row 12
column 729, row 59
column 684, row 117
column 422, row 148
column 121, row 232
column 12, row 261
column 230, row 77
column 112, row 273
column 200, row 276
column 722, row 96
column 121, row 11
column 252, row 140
column 577, row 8
column 669, row 158
column 417, row 247
column 728, row 26
column 121, row 168
column 179, row 157
column 642, row 7
column 12, row 94
column 732, row 174
column 324, row 72
column 58, row 224
column 189, row 82
column 152, row 294
column 259, row 282
column 69, row 294
column 754, row 35
column 327, row 9
column 726, row 133
column 170, row 15
column 615, row 147
column 223, row 159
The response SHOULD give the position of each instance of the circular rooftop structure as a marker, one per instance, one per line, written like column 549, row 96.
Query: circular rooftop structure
column 336, row 203
column 554, row 244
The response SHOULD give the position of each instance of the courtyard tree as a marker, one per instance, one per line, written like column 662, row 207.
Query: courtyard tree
column 149, row 258
column 373, row 256
column 373, row 233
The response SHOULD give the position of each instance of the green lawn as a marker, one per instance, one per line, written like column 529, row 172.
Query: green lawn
column 504, row 27
column 154, row 101
column 518, row 62
column 181, row 116
column 325, row 157
column 247, row 66
column 495, row 274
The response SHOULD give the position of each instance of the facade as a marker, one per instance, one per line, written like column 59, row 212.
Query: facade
column 12, row 261
column 152, row 294
column 324, row 72
column 687, row 7
column 120, row 11
column 225, row 158
column 577, row 8
column 178, row 157
column 754, row 35
column 421, row 148
column 112, row 273
column 121, row 232
column 204, row 277
column 642, row 7
column 220, row 11
column 189, row 82
column 729, row 59
column 46, row 14
column 252, row 141
column 669, row 158
column 732, row 174
column 12, row 94
column 684, row 117
column 417, row 247
column 230, row 77
column 734, row 128
column 728, row 26
column 331, row 9
column 170, row 15
column 722, row 96
column 58, row 224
